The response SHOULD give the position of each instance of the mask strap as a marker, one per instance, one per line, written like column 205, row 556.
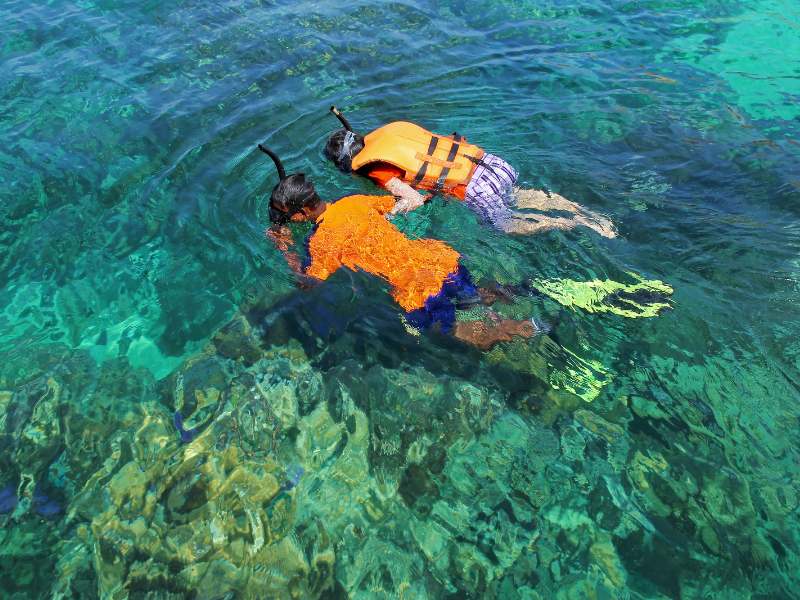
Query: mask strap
column 347, row 145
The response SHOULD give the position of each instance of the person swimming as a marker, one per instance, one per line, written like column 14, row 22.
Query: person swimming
column 426, row 277
column 403, row 158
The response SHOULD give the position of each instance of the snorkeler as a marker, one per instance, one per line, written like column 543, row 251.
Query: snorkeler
column 403, row 157
column 426, row 277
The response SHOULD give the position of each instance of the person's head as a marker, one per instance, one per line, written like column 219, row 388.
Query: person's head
column 294, row 198
column 343, row 144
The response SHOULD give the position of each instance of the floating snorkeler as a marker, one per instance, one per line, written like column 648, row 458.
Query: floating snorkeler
column 426, row 277
column 403, row 157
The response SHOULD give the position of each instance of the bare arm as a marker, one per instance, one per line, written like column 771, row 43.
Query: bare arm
column 407, row 197
column 281, row 236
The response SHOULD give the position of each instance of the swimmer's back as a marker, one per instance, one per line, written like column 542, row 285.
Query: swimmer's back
column 354, row 232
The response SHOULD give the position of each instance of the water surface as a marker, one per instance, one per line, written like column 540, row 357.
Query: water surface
column 325, row 451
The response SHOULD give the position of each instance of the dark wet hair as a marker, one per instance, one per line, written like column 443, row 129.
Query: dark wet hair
column 343, row 144
column 292, row 194
column 341, row 151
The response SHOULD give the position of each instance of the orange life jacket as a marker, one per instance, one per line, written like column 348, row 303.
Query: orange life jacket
column 354, row 233
column 428, row 161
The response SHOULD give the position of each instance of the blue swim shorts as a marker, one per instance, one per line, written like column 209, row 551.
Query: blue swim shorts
column 457, row 291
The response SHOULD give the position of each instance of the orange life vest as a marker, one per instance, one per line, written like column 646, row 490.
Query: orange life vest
column 354, row 233
column 428, row 161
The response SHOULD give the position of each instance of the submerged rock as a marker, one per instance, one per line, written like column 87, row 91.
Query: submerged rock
column 250, row 472
column 236, row 340
column 610, row 432
column 215, row 512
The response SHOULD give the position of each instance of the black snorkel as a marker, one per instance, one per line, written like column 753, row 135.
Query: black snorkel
column 345, row 123
column 276, row 160
column 291, row 194
column 275, row 216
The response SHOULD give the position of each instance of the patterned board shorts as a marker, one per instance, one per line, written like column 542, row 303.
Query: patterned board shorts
column 489, row 192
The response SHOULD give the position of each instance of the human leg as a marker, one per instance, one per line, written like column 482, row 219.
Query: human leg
column 459, row 292
column 489, row 193
column 545, row 202
column 485, row 334
column 523, row 224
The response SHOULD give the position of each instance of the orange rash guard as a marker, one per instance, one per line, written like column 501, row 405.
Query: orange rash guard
column 355, row 233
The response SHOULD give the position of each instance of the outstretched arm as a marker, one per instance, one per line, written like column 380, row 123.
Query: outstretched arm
column 407, row 197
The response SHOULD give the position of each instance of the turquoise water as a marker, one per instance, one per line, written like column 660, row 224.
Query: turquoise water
column 335, row 455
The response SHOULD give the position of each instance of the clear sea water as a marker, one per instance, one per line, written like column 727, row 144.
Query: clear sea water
column 328, row 453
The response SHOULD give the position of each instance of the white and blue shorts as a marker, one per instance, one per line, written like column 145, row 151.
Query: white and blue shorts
column 490, row 190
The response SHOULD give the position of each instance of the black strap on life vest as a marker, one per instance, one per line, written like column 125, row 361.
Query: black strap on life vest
column 450, row 158
column 478, row 161
column 424, row 168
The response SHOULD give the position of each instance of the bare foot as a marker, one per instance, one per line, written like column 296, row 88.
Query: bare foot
column 597, row 223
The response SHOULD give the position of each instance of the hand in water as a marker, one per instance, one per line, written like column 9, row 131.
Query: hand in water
column 407, row 198
column 407, row 204
column 280, row 236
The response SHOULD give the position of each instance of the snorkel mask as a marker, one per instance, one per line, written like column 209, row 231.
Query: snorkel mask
column 344, row 154
column 347, row 145
column 278, row 217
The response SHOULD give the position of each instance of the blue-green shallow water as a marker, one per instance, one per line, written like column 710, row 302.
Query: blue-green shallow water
column 336, row 455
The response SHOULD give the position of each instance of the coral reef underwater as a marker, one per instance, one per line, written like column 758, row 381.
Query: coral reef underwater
column 251, row 472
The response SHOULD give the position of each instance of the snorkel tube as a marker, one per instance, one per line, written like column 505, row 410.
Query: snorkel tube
column 345, row 123
column 275, row 216
column 291, row 194
column 276, row 160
